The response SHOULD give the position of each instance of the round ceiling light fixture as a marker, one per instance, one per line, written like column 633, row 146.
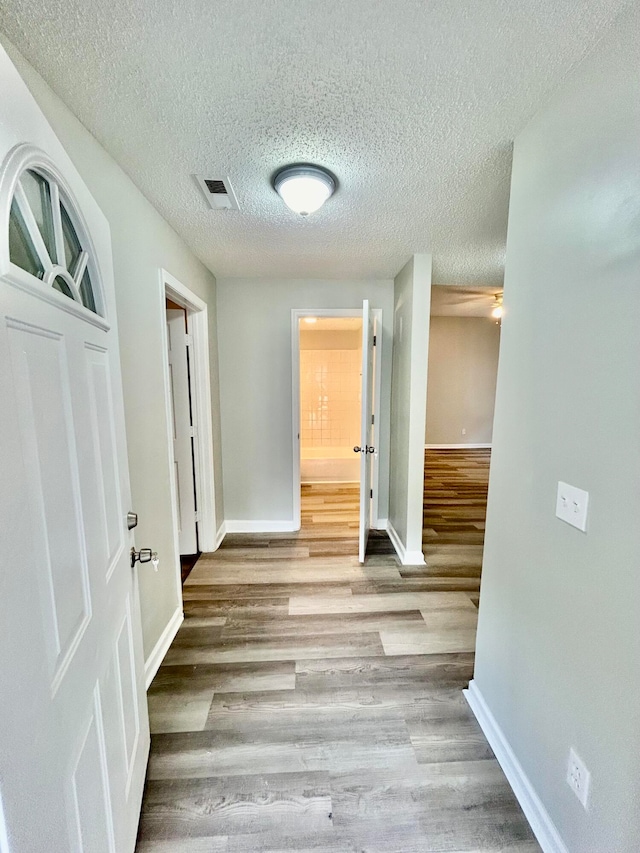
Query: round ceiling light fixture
column 304, row 188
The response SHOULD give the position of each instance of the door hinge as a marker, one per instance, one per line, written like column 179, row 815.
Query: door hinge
column 188, row 339
column 197, row 515
column 371, row 493
column 373, row 419
column 375, row 339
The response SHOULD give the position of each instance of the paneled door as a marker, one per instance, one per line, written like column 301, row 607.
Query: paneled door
column 74, row 734
column 367, row 448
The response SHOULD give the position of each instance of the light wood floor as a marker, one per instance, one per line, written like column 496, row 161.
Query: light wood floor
column 312, row 704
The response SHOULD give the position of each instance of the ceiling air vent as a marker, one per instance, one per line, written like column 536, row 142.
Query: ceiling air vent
column 218, row 193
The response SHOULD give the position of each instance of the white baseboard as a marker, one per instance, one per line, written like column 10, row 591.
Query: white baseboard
column 222, row 531
column 396, row 542
column 245, row 526
column 458, row 446
column 407, row 558
column 152, row 663
column 539, row 819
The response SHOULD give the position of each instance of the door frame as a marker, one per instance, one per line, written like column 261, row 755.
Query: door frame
column 200, row 387
column 296, row 315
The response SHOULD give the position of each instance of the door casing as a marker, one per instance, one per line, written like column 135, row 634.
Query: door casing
column 209, row 536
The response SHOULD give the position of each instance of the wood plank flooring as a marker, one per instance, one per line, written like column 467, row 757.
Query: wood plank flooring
column 312, row 704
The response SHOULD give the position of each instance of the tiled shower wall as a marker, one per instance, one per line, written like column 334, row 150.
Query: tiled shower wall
column 329, row 397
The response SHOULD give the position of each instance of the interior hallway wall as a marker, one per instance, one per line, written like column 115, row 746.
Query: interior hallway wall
column 143, row 243
column 256, row 393
column 412, row 298
column 558, row 649
column 463, row 369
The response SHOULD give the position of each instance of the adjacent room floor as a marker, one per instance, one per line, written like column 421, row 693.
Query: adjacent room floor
column 312, row 704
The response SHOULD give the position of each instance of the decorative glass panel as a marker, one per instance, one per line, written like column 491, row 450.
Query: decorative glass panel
column 86, row 292
column 72, row 247
column 38, row 194
column 21, row 250
column 61, row 285
column 38, row 211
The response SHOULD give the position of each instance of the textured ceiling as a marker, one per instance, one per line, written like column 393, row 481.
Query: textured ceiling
column 412, row 104
column 452, row 301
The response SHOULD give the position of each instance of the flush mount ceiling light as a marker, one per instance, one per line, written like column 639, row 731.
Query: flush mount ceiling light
column 304, row 188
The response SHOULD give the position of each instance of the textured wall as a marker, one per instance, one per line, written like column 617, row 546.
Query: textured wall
column 463, row 367
column 558, row 650
column 142, row 243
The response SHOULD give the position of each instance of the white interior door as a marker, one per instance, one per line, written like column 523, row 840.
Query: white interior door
column 74, row 734
column 367, row 448
column 182, row 430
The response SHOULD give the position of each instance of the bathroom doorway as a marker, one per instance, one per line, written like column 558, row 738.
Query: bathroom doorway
column 330, row 367
column 335, row 470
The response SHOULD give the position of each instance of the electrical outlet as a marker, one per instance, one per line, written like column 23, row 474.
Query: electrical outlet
column 578, row 777
column 464, row 430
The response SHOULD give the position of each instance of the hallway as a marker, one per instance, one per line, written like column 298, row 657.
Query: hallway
column 309, row 703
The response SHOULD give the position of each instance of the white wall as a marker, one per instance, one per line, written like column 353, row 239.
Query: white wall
column 412, row 298
column 255, row 386
column 463, row 368
column 143, row 243
column 558, row 650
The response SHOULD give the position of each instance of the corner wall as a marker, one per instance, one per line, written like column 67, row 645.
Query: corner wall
column 143, row 243
column 412, row 299
column 558, row 648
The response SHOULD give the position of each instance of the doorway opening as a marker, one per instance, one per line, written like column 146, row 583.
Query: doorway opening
column 188, row 402
column 330, row 398
column 336, row 397
column 180, row 370
column 464, row 344
column 330, row 402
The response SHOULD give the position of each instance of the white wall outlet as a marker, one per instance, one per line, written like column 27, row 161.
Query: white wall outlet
column 578, row 777
column 464, row 430
column 571, row 505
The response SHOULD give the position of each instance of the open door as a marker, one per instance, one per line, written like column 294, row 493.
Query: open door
column 366, row 448
column 177, row 345
column 75, row 731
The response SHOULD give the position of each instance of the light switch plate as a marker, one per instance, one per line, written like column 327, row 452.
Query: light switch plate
column 571, row 505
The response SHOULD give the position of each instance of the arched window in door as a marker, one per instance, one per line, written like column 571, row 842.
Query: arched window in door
column 47, row 238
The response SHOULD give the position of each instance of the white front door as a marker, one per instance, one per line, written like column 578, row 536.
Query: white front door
column 74, row 734
column 182, row 429
column 367, row 448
